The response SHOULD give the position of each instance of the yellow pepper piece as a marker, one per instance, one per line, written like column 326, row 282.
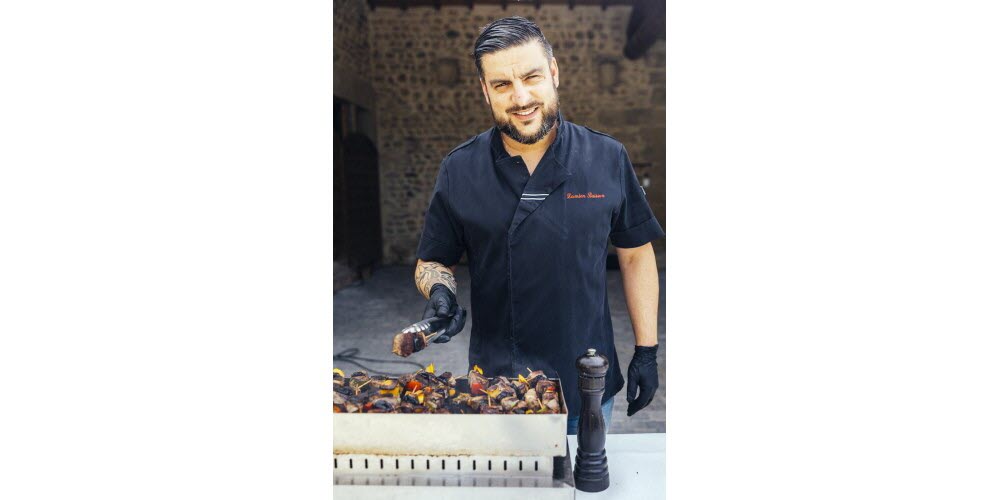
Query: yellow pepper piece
column 478, row 369
column 522, row 379
column 338, row 371
column 420, row 397
column 430, row 368
column 451, row 392
column 529, row 412
column 390, row 392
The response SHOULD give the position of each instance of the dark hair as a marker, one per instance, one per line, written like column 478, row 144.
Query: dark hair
column 506, row 33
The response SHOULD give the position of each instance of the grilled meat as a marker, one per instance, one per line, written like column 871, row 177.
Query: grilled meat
column 531, row 397
column 508, row 403
column 543, row 385
column 426, row 392
column 477, row 383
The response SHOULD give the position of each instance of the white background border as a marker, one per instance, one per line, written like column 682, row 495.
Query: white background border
column 832, row 279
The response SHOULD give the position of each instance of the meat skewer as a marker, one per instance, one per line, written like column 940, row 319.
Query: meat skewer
column 417, row 336
column 426, row 392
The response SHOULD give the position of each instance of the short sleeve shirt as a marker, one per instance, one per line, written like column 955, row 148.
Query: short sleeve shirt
column 537, row 248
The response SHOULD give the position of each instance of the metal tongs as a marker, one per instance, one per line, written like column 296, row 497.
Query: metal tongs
column 435, row 324
column 417, row 336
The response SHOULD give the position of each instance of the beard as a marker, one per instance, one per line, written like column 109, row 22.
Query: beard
column 548, row 117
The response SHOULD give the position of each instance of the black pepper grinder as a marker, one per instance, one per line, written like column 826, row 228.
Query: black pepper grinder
column 590, row 471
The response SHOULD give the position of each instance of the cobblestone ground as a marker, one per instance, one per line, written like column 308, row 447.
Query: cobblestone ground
column 367, row 315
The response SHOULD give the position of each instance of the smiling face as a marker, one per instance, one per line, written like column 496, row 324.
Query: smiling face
column 519, row 84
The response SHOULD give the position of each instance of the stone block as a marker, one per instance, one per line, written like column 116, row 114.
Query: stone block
column 655, row 144
column 610, row 118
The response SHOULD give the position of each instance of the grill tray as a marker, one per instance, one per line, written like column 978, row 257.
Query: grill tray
column 436, row 435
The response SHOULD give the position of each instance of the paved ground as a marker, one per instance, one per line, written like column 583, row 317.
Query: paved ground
column 366, row 315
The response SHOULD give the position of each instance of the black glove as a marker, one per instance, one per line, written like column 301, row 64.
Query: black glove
column 642, row 375
column 444, row 304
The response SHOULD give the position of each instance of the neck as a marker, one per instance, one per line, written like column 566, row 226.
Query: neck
column 515, row 148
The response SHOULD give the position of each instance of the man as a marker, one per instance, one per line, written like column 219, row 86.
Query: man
column 533, row 201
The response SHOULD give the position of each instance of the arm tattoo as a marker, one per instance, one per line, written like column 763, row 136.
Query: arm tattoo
column 429, row 274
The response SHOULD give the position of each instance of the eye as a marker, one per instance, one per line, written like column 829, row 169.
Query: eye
column 500, row 85
column 534, row 77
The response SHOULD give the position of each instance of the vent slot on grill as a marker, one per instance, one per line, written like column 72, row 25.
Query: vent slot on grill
column 454, row 465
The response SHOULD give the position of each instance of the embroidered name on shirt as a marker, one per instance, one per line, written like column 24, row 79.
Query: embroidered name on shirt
column 571, row 196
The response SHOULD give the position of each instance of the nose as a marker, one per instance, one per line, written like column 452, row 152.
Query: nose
column 520, row 96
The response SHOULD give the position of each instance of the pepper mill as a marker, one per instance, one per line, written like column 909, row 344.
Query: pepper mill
column 590, row 471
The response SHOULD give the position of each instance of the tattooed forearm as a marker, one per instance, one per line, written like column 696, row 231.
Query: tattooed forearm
column 430, row 273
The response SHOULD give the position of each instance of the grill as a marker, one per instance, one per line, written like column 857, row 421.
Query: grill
column 383, row 455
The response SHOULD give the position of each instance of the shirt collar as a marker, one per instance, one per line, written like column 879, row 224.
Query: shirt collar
column 499, row 153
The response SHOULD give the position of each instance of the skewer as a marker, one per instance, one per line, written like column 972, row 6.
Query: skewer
column 413, row 339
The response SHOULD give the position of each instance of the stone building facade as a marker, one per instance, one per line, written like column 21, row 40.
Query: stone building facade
column 427, row 98
column 352, row 53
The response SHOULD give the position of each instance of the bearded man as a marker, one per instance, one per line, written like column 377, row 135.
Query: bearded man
column 533, row 202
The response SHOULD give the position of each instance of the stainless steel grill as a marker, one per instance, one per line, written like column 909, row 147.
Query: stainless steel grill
column 383, row 455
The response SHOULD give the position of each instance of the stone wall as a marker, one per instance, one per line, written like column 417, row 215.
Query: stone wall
column 428, row 98
column 352, row 53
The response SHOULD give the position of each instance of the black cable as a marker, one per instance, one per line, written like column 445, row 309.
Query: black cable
column 350, row 355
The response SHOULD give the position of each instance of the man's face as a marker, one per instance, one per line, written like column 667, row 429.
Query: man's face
column 522, row 80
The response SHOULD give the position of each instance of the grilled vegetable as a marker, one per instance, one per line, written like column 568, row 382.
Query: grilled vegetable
column 426, row 392
column 500, row 390
column 477, row 383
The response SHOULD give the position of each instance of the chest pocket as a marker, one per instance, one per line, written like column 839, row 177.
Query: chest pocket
column 552, row 216
column 577, row 220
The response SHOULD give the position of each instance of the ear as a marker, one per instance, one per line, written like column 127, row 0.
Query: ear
column 554, row 68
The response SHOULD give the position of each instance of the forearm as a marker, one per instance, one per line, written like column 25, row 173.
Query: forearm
column 642, row 291
column 428, row 274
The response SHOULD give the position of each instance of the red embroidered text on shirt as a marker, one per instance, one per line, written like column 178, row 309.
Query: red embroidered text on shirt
column 581, row 195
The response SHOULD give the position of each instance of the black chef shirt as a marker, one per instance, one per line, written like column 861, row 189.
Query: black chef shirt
column 537, row 249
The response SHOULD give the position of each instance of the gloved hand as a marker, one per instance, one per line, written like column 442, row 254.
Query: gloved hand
column 444, row 304
column 642, row 375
